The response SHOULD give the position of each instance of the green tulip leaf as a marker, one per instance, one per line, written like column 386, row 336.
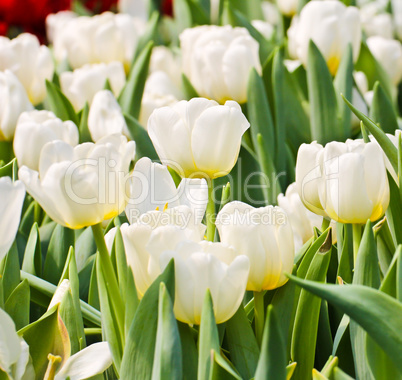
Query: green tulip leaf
column 168, row 352
column 144, row 146
column 59, row 104
column 131, row 95
column 381, row 111
column 272, row 362
column 242, row 344
column 325, row 126
column 47, row 335
column 62, row 239
column 303, row 344
column 139, row 350
column 208, row 338
column 373, row 310
column 18, row 305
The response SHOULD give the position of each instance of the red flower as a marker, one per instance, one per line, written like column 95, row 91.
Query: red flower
column 167, row 7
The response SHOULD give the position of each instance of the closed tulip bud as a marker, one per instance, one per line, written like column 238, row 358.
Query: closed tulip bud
column 34, row 130
column 12, row 197
column 14, row 101
column 265, row 236
column 332, row 27
column 152, row 233
column 352, row 184
column 31, row 62
column 103, row 38
column 303, row 221
column 81, row 85
column 81, row 186
column 389, row 54
column 288, row 7
column 202, row 266
column 198, row 137
column 218, row 59
column 308, row 175
column 105, row 117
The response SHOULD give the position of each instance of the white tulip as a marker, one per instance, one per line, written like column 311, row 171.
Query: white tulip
column 389, row 54
column 265, row 236
column 168, row 61
column 105, row 117
column 375, row 21
column 155, row 231
column 350, row 180
column 264, row 27
column 14, row 101
column 11, row 200
column 202, row 266
column 84, row 185
column 14, row 352
column 56, row 22
column 288, row 7
column 103, row 38
column 217, row 60
column 271, row 13
column 34, row 130
column 332, row 26
column 303, row 221
column 81, row 85
column 152, row 188
column 159, row 92
column 397, row 17
column 137, row 8
column 308, row 175
column 91, row 361
column 31, row 62
column 198, row 137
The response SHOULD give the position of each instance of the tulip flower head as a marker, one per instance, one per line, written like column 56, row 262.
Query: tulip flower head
column 202, row 266
column 14, row 101
column 103, row 38
column 84, row 185
column 265, row 236
column 198, row 138
column 331, row 26
column 34, row 130
column 389, row 53
column 31, row 62
column 105, row 117
column 154, row 232
column 217, row 60
column 347, row 181
column 81, row 85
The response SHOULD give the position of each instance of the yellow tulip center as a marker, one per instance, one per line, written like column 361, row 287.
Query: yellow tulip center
column 333, row 64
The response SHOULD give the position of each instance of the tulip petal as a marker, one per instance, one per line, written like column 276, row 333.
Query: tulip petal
column 86, row 363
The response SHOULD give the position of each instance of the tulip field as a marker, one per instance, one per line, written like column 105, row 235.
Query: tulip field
column 201, row 190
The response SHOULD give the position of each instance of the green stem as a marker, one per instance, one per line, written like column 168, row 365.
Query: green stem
column 259, row 315
column 211, row 212
column 92, row 331
column 110, row 276
column 357, row 237
column 325, row 223
column 88, row 312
